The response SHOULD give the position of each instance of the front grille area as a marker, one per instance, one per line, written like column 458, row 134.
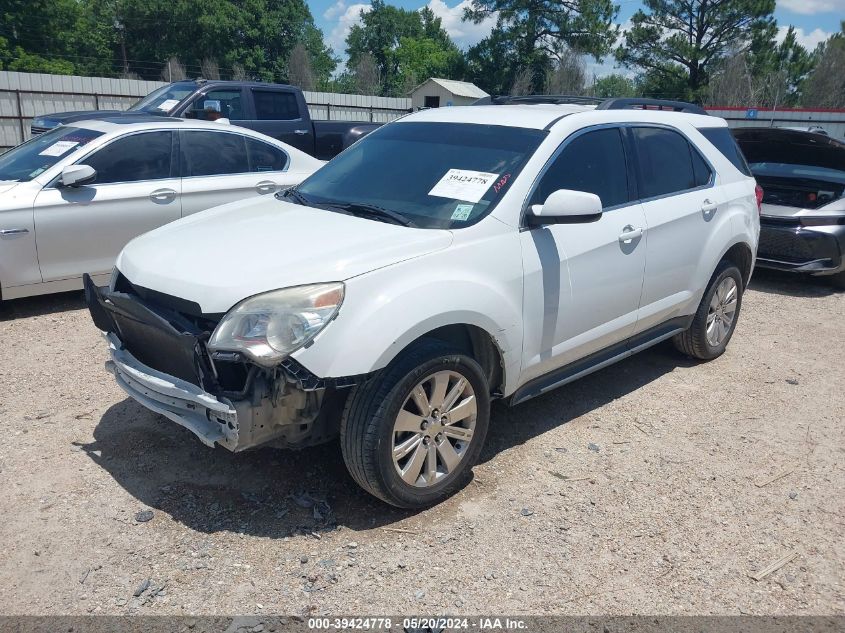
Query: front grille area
column 35, row 130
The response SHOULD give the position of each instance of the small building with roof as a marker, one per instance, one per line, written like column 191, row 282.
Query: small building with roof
column 440, row 93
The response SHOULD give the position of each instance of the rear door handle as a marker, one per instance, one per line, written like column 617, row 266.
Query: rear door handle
column 163, row 195
column 629, row 234
column 300, row 132
column 265, row 186
column 708, row 207
column 13, row 231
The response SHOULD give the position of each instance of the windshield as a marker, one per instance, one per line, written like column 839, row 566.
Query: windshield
column 37, row 155
column 164, row 99
column 436, row 175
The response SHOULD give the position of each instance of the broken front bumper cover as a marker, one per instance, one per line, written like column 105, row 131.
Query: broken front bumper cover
column 212, row 420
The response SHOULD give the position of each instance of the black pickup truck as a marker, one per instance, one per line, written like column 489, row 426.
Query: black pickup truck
column 276, row 110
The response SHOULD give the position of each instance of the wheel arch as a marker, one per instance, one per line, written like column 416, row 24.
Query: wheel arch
column 740, row 254
column 475, row 342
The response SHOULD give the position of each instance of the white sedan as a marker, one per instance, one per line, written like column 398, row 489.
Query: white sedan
column 72, row 198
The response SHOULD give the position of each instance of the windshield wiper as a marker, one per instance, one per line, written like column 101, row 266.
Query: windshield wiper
column 292, row 193
column 365, row 210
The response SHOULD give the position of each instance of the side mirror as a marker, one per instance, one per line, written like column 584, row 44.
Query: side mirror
column 76, row 175
column 565, row 206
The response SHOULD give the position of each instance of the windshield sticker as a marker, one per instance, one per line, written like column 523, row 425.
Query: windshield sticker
column 58, row 148
column 463, row 184
column 462, row 212
column 168, row 105
column 500, row 184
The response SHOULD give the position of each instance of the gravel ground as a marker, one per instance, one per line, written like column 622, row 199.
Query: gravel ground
column 655, row 486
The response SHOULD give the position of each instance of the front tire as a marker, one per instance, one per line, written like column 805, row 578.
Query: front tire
column 838, row 280
column 411, row 434
column 715, row 320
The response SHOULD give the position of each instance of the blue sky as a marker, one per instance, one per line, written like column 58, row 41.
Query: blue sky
column 814, row 19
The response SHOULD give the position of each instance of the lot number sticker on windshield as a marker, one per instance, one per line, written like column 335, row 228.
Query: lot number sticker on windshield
column 462, row 211
column 463, row 184
column 166, row 105
column 58, row 148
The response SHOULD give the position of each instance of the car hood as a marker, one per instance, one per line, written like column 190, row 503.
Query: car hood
column 777, row 145
column 5, row 185
column 221, row 256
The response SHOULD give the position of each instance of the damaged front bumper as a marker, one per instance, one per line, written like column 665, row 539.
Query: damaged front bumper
column 213, row 421
column 159, row 358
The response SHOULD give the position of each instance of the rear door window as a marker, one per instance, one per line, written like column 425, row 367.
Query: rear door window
column 667, row 162
column 143, row 156
column 593, row 162
column 207, row 153
column 265, row 157
column 722, row 139
column 275, row 105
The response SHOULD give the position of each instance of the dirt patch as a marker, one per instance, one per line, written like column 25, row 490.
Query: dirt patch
column 655, row 486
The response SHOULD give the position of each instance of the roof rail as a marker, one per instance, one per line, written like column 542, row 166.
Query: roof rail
column 601, row 103
column 644, row 103
column 529, row 99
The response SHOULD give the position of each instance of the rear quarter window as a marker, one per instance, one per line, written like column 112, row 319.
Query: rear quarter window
column 723, row 140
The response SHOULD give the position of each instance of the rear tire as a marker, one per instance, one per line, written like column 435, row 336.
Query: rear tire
column 401, row 435
column 715, row 320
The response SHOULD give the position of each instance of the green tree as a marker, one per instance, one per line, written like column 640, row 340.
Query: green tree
column 535, row 34
column 257, row 35
column 41, row 35
column 614, row 85
column 677, row 43
column 778, row 69
column 494, row 63
column 406, row 46
column 825, row 86
column 421, row 57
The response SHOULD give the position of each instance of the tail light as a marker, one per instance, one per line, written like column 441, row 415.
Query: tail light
column 758, row 193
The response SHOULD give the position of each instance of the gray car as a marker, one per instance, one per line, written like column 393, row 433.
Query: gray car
column 802, row 224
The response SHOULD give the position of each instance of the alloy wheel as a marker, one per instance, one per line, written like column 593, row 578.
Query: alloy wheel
column 434, row 428
column 720, row 316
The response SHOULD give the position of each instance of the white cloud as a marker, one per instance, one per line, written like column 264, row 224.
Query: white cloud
column 812, row 7
column 345, row 17
column 603, row 67
column 335, row 10
column 807, row 40
column 464, row 34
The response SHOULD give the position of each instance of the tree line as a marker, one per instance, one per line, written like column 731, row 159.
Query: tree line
column 724, row 52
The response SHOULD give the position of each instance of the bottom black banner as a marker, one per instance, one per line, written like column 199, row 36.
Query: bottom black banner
column 422, row 624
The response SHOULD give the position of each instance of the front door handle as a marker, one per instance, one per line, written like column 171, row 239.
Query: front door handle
column 163, row 195
column 300, row 132
column 265, row 186
column 5, row 232
column 629, row 234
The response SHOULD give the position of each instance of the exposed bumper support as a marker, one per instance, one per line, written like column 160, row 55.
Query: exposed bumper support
column 817, row 250
column 210, row 419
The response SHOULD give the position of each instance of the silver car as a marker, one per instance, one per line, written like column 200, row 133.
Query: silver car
column 802, row 223
column 73, row 197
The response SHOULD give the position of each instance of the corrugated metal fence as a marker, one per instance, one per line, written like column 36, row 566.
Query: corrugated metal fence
column 26, row 95
column 833, row 121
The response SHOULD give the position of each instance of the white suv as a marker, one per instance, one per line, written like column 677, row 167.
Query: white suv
column 453, row 257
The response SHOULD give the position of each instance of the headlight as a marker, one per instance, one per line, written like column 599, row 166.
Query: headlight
column 270, row 326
